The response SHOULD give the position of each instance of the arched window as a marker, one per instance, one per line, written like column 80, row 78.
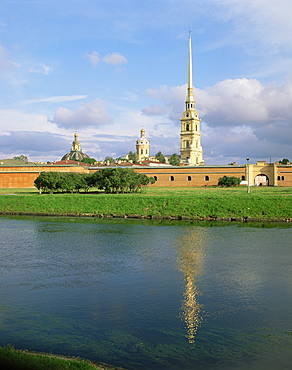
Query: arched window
column 187, row 127
column 283, row 178
column 243, row 178
column 196, row 127
column 207, row 178
column 155, row 178
column 189, row 178
column 171, row 178
column 187, row 144
column 279, row 178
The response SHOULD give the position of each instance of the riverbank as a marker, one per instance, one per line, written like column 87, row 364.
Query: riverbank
column 12, row 359
column 232, row 204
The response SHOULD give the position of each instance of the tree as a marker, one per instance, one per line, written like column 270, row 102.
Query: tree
column 132, row 157
column 160, row 157
column 229, row 181
column 88, row 160
column 174, row 160
column 47, row 182
column 120, row 180
column 284, row 161
column 21, row 158
column 50, row 182
column 109, row 159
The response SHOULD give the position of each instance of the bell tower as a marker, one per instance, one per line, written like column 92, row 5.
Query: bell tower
column 142, row 147
column 191, row 152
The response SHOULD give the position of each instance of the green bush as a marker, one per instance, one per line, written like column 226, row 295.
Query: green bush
column 51, row 182
column 119, row 180
column 229, row 181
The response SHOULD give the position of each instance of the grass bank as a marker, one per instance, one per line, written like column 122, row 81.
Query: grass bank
column 181, row 203
column 12, row 359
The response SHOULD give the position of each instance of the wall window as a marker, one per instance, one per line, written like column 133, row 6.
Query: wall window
column 189, row 178
column 207, row 178
column 279, row 178
column 196, row 127
column 242, row 178
column 187, row 127
column 155, row 178
column 171, row 178
column 187, row 144
column 146, row 151
column 283, row 178
column 141, row 151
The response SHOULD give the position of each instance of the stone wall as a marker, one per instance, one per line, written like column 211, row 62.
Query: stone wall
column 183, row 176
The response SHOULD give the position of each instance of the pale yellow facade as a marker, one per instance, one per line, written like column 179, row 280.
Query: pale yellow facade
column 190, row 136
column 142, row 147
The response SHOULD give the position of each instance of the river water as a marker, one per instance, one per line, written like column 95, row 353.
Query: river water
column 148, row 295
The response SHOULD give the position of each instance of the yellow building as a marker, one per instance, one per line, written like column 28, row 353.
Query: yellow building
column 142, row 147
column 190, row 136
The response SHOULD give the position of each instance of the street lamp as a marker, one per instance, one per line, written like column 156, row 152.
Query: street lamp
column 248, row 186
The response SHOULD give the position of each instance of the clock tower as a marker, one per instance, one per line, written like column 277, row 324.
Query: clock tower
column 191, row 152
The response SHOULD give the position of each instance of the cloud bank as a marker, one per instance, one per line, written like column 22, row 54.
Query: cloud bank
column 88, row 114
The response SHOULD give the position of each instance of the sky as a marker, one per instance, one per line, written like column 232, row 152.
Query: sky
column 105, row 68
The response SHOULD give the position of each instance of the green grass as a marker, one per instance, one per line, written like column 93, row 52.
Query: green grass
column 263, row 203
column 11, row 359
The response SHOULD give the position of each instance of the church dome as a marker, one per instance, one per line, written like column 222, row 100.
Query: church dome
column 74, row 156
column 76, row 153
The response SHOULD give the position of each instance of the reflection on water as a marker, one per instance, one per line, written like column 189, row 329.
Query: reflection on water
column 191, row 259
column 146, row 295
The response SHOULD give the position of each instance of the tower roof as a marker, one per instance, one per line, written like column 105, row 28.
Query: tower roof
column 76, row 153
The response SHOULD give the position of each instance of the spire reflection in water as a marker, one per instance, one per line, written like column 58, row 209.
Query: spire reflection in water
column 191, row 258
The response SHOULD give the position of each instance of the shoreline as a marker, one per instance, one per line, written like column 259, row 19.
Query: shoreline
column 10, row 350
column 148, row 217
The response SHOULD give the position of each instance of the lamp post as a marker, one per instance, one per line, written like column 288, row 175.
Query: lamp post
column 248, row 186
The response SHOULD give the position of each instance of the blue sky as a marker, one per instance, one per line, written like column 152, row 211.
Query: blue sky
column 107, row 67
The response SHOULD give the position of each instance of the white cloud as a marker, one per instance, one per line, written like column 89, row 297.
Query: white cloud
column 129, row 96
column 88, row 114
column 245, row 101
column 240, row 117
column 93, row 58
column 55, row 99
column 42, row 69
column 112, row 58
column 18, row 120
column 154, row 110
column 266, row 21
column 115, row 59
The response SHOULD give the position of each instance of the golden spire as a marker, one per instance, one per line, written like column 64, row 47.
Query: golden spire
column 190, row 101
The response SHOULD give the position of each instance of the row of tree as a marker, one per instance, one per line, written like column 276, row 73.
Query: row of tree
column 110, row 180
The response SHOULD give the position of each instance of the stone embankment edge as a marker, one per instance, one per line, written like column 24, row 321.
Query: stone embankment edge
column 148, row 217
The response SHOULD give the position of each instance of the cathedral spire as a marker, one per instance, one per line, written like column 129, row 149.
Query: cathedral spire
column 190, row 101
column 190, row 147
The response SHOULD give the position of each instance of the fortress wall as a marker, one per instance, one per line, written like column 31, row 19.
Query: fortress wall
column 17, row 179
column 286, row 173
column 24, row 176
column 190, row 176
